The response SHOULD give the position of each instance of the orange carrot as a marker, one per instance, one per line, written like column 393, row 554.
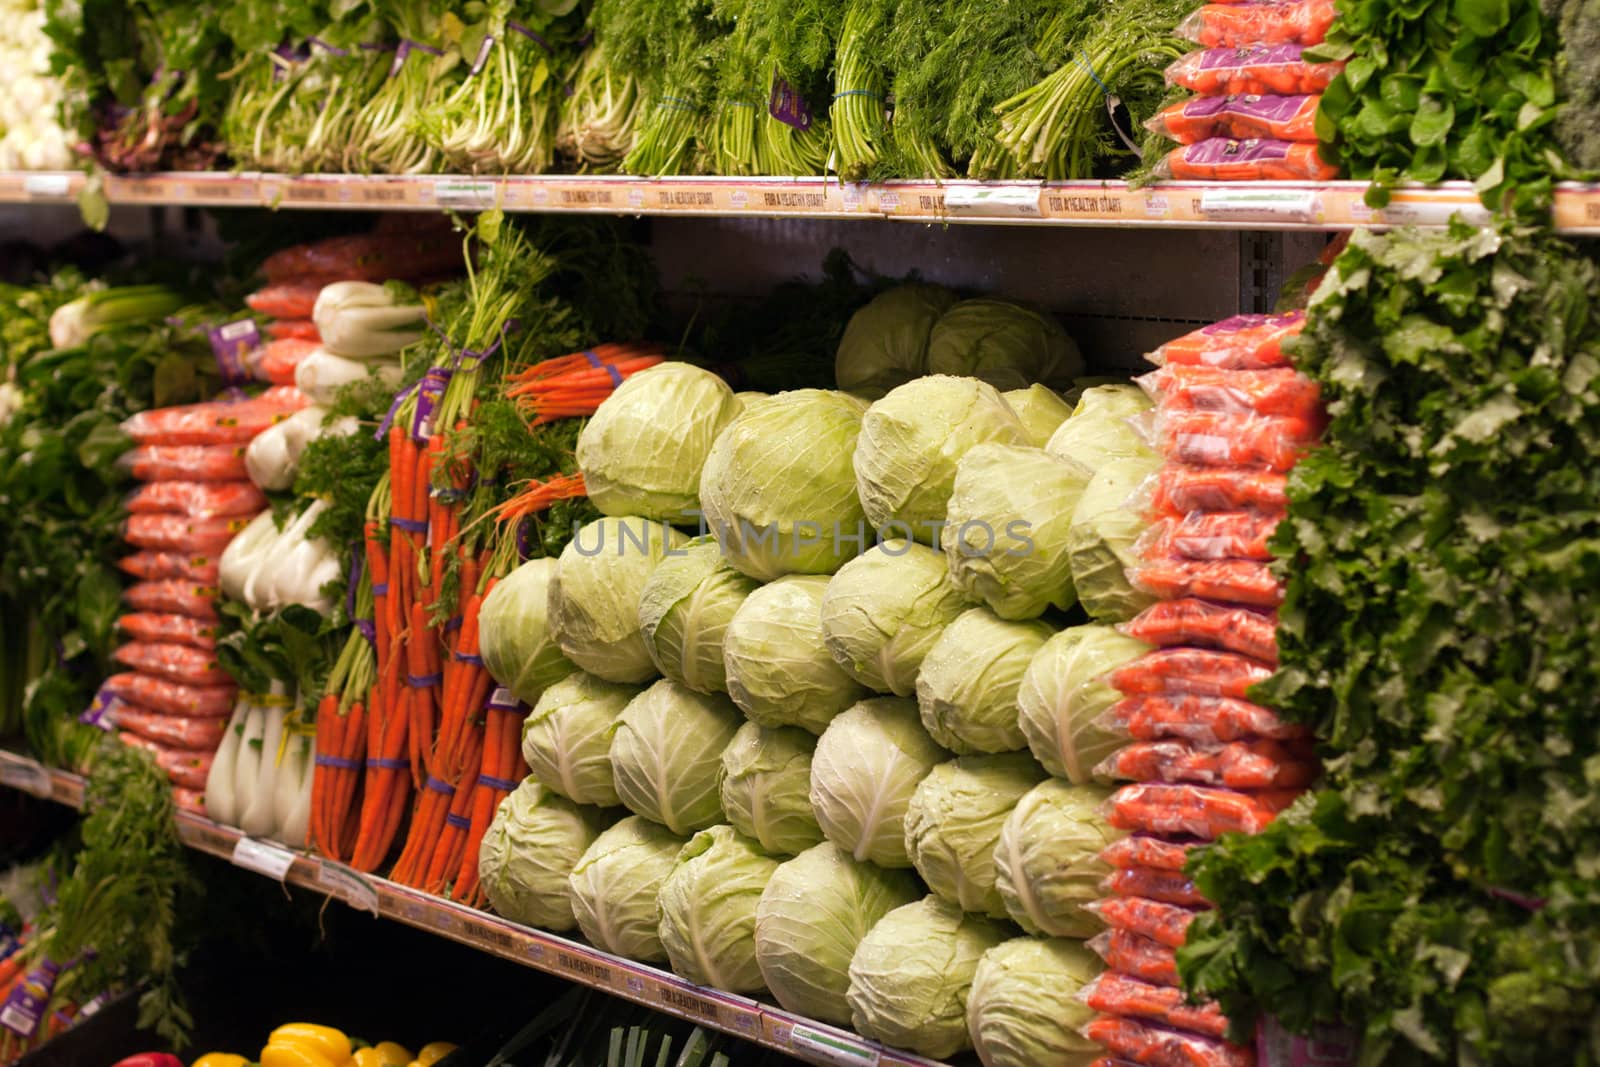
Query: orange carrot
column 325, row 769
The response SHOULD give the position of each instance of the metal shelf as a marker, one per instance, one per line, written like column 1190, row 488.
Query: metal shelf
column 765, row 1024
column 1217, row 205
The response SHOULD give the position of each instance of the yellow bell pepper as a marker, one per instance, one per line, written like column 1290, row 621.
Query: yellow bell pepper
column 325, row 1039
column 293, row 1054
column 431, row 1053
column 220, row 1059
column 394, row 1054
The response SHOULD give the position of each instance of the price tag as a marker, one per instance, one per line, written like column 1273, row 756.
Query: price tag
column 1260, row 205
column 818, row 1046
column 348, row 886
column 1005, row 200
column 1432, row 209
column 464, row 193
column 51, row 185
column 28, row 777
column 261, row 857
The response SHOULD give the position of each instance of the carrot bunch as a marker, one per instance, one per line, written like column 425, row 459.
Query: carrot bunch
column 342, row 737
column 500, row 772
column 536, row 496
column 575, row 385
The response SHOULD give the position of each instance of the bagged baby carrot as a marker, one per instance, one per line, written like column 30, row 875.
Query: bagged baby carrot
column 1202, row 671
column 178, row 731
column 1263, row 70
column 1260, row 763
column 1190, row 621
column 1141, row 850
column 1226, row 439
column 1271, row 391
column 169, row 627
column 280, row 358
column 1119, row 994
column 295, row 329
column 1193, row 810
column 189, row 799
column 1239, row 581
column 173, row 597
column 286, row 300
column 216, row 422
column 1200, row 118
column 1176, row 490
column 1210, row 535
column 1151, row 1045
column 172, row 698
column 1157, row 717
column 1169, row 887
column 1302, row 22
column 1252, row 159
column 1130, row 953
column 196, row 463
column 178, row 663
column 1165, row 924
column 152, row 566
column 198, row 500
column 179, row 533
column 1243, row 342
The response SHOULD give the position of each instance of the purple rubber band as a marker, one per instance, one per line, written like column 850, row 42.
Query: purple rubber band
column 476, row 661
column 453, row 624
column 410, row 525
column 388, row 764
column 595, row 361
column 440, row 786
column 369, row 631
column 339, row 762
column 504, row 785
column 513, row 24
column 380, row 588
column 426, row 681
column 460, row 822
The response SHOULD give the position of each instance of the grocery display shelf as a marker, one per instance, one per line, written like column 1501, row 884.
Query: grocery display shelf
column 753, row 1020
column 1236, row 205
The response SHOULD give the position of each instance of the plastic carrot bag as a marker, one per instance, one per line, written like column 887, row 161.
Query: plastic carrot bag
column 1302, row 22
column 186, row 768
column 177, row 731
column 1265, row 70
column 1130, row 953
column 166, row 627
column 198, row 500
column 1103, row 1061
column 1243, row 342
column 1210, row 535
column 1165, row 924
column 1203, row 671
column 1194, row 810
column 286, row 300
column 179, row 533
column 293, row 329
column 1191, row 621
column 1279, row 118
column 1118, row 994
column 217, row 422
column 1169, row 887
column 198, row 463
column 1226, row 439
column 180, row 663
column 1268, row 391
column 189, row 799
column 1151, row 1045
column 1251, row 159
column 280, row 358
column 1239, row 581
column 1176, row 490
column 1141, row 850
column 153, row 566
column 1187, row 716
column 419, row 253
column 1260, row 763
column 172, row 698
column 173, row 597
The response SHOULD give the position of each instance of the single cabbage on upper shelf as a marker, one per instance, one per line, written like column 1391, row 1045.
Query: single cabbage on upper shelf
column 594, row 596
column 954, row 821
column 666, row 755
column 1100, row 429
column 708, row 909
column 566, row 738
column 886, row 342
column 766, row 787
column 812, row 916
column 884, row 610
column 1105, row 525
column 642, row 451
column 912, row 439
column 1023, row 1009
column 967, row 688
column 616, row 887
column 1047, row 861
column 1041, row 410
column 778, row 489
column 867, row 764
column 777, row 666
column 1005, row 537
column 1004, row 344
column 911, row 974
column 685, row 609
column 514, row 636
column 528, row 853
column 1063, row 698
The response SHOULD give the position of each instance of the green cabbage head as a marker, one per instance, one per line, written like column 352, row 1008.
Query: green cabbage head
column 1099, row 431
column 514, row 635
column 953, row 825
column 528, row 853
column 911, row 974
column 642, row 450
column 1004, row 344
column 1048, row 858
column 967, row 688
column 666, row 755
column 911, row 441
column 1062, row 699
column 1041, row 409
column 685, row 609
column 594, row 596
column 868, row 763
column 566, row 738
column 616, row 885
column 1005, row 538
column 812, row 916
column 778, row 669
column 766, row 787
column 1105, row 526
column 778, row 490
column 1023, row 1010
column 886, row 342
column 884, row 610
column 708, row 909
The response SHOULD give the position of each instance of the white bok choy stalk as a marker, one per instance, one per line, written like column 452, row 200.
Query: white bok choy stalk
column 267, row 568
column 321, row 375
column 295, row 829
column 221, row 801
column 257, row 819
column 273, row 456
column 365, row 321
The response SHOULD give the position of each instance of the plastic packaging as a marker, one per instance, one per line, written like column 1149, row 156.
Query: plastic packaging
column 1238, row 581
column 280, row 358
column 179, row 533
column 1129, row 953
column 1210, row 535
column 1195, row 810
column 1257, row 764
column 153, row 566
column 172, row 698
column 217, row 422
column 198, row 463
column 285, row 299
column 1165, row 924
column 197, row 500
column 414, row 253
column 1197, row 718
column 1139, row 850
column 1203, row 671
column 1263, row 70
column 295, row 329
column 1191, row 621
column 1157, row 1046
column 1229, row 159
column 186, row 768
column 1226, row 439
column 1281, row 118
column 177, row 731
column 1269, row 391
column 1176, row 490
column 180, row 629
column 1243, row 342
column 189, row 799
column 1169, row 887
column 173, row 597
column 1118, row 994
column 178, row 663
column 1302, row 22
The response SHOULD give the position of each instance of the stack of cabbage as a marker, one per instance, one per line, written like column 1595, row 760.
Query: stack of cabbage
column 809, row 751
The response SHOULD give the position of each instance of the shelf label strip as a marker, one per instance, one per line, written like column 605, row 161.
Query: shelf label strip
column 831, row 1050
column 262, row 857
column 347, row 885
column 28, row 777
